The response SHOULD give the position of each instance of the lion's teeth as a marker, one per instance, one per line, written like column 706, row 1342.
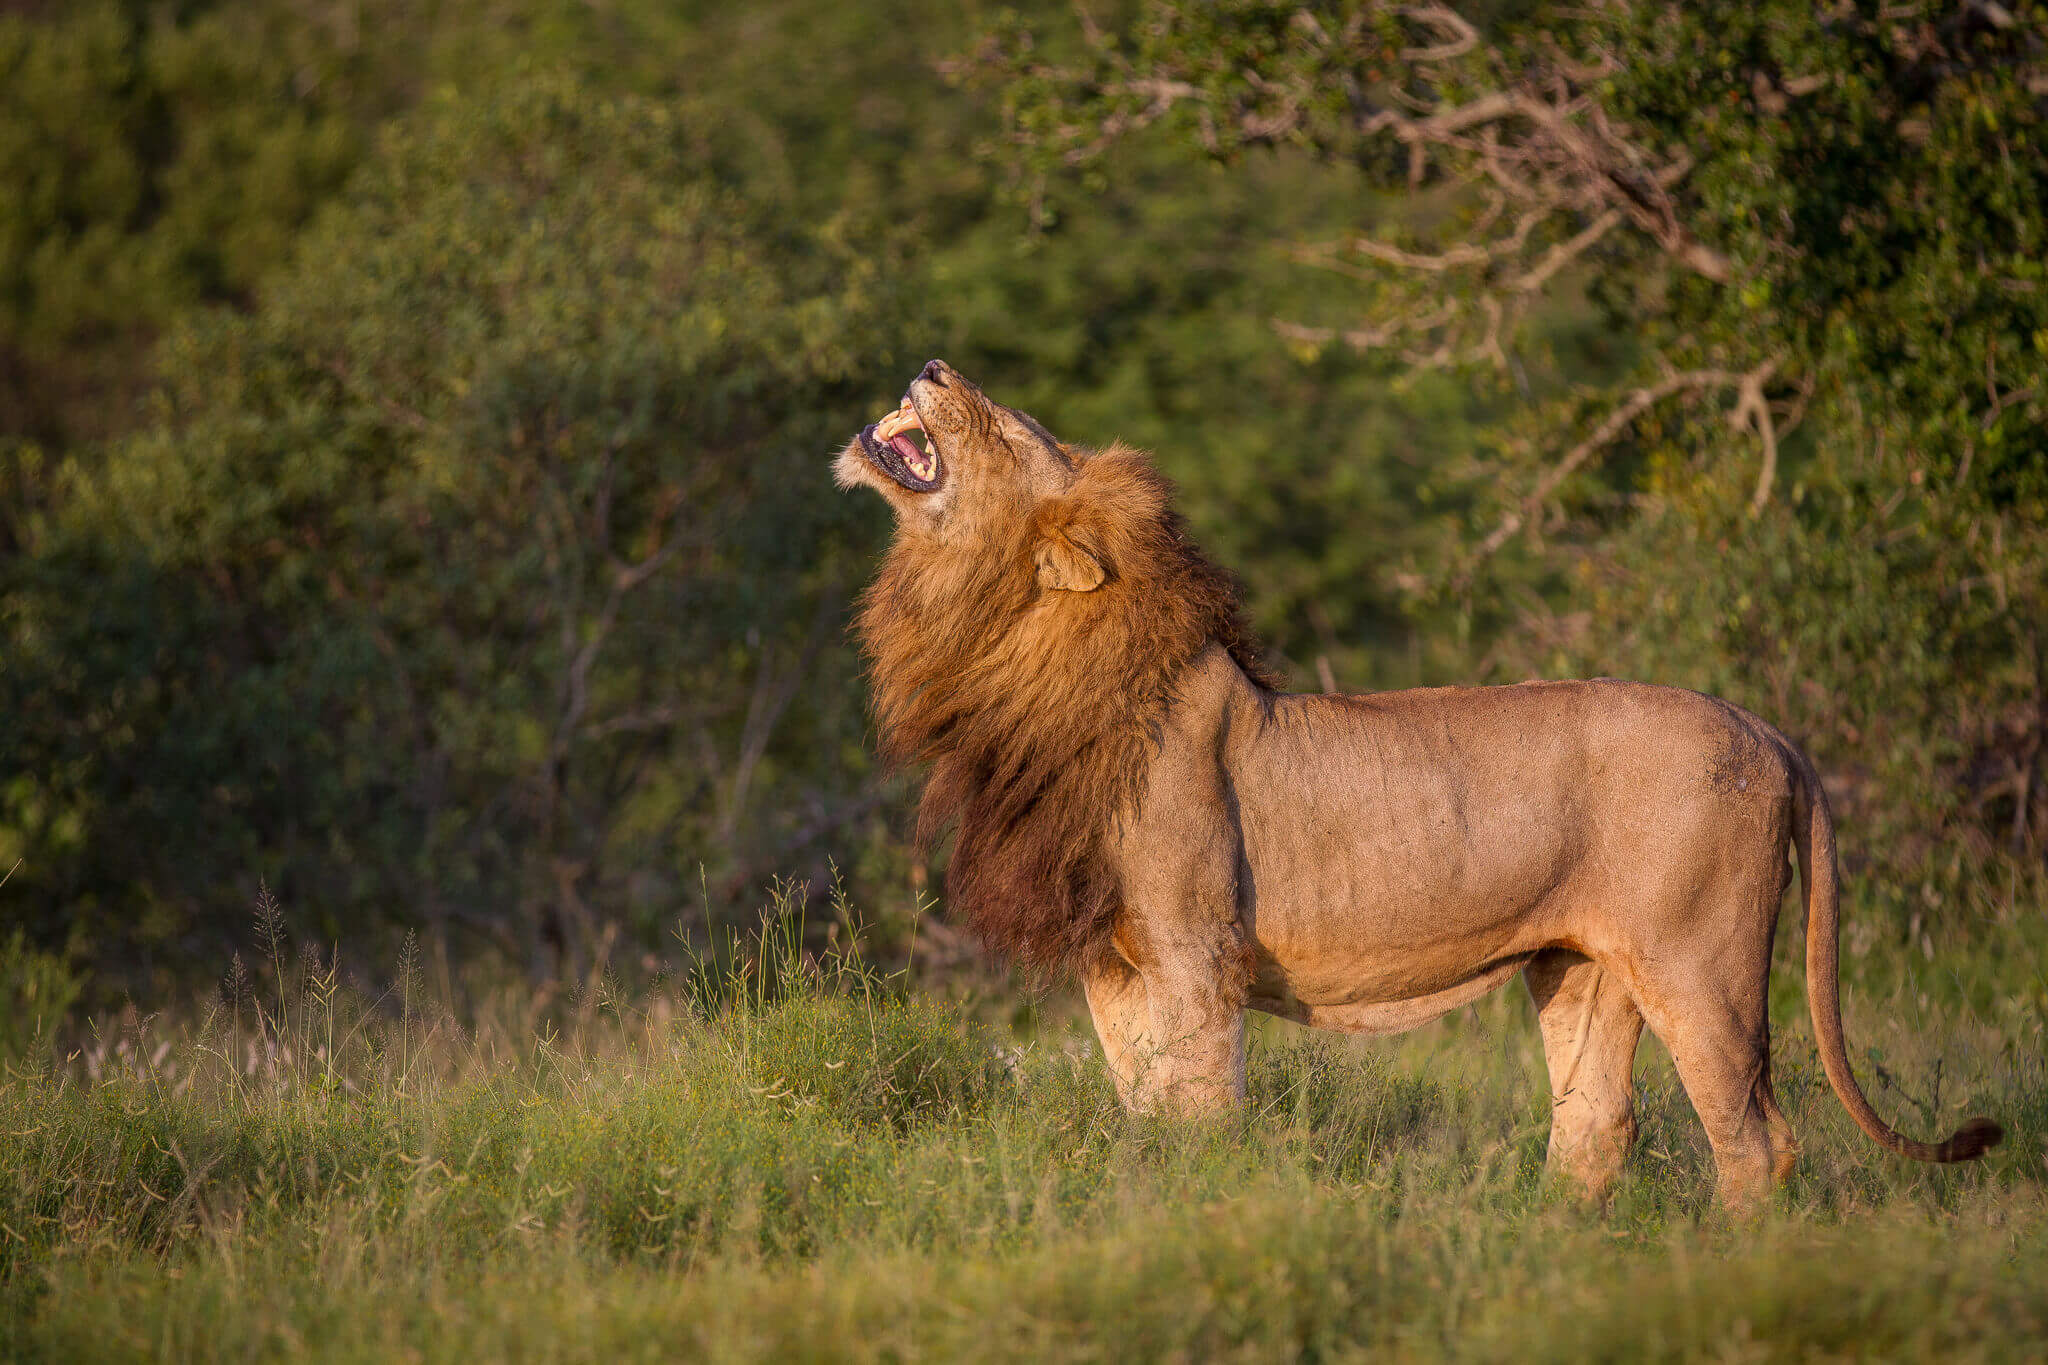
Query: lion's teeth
column 903, row 419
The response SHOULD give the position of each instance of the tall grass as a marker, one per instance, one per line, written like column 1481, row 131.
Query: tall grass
column 775, row 1153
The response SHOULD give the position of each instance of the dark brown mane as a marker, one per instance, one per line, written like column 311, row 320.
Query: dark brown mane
column 1036, row 709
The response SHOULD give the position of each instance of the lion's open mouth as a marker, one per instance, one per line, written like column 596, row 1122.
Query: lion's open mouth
column 891, row 449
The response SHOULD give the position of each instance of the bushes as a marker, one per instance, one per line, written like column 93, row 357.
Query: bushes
column 37, row 991
column 1806, row 468
column 159, row 156
column 343, row 607
column 324, row 618
column 473, row 570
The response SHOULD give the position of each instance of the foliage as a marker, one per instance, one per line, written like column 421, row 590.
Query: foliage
column 321, row 333
column 158, row 156
column 278, row 674
column 432, row 571
column 1830, row 216
column 37, row 993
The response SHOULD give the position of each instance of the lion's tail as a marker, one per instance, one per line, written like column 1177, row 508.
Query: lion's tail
column 1813, row 832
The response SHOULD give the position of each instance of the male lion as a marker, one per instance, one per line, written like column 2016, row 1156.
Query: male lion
column 1136, row 801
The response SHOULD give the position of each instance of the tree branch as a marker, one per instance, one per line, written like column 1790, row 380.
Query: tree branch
column 1753, row 411
column 1617, row 421
column 1463, row 37
column 1565, row 252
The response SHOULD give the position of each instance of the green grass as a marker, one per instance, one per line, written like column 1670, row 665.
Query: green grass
column 785, row 1159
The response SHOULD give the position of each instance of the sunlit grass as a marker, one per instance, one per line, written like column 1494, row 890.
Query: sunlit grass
column 777, row 1154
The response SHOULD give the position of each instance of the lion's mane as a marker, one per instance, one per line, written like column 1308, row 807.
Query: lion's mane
column 1037, row 709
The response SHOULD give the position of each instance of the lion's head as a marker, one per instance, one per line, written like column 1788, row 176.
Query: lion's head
column 978, row 460
column 1024, row 635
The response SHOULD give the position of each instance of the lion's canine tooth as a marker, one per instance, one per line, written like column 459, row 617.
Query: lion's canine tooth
column 903, row 419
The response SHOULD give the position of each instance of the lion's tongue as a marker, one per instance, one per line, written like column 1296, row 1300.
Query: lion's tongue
column 907, row 448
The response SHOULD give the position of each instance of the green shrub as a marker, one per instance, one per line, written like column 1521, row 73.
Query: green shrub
column 430, row 587
column 37, row 991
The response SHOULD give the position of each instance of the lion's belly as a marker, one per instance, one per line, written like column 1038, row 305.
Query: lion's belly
column 1364, row 966
column 1273, row 992
column 1394, row 927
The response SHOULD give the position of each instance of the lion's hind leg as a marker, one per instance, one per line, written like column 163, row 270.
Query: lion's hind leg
column 1720, row 1043
column 1590, row 1030
column 1784, row 1146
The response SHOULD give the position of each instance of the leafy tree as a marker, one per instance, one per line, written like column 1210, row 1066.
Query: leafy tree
column 262, row 683
column 486, row 565
column 158, row 156
column 1815, row 478
column 322, row 510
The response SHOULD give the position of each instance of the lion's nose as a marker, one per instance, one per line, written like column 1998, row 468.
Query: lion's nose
column 935, row 371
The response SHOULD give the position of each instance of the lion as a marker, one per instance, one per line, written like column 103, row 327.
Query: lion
column 1138, row 802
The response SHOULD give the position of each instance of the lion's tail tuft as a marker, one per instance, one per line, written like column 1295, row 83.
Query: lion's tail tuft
column 1972, row 1140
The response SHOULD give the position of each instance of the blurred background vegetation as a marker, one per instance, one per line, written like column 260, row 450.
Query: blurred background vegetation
column 414, row 417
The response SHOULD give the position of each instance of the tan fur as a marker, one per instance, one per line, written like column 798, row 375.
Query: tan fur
column 1135, row 801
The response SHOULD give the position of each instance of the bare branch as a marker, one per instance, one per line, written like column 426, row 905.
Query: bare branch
column 1617, row 421
column 1556, row 162
column 1753, row 411
column 1565, row 252
column 1163, row 94
column 1385, row 337
column 1999, row 401
column 1540, row 139
column 1436, row 126
column 772, row 696
column 1489, row 342
column 1463, row 37
column 1467, row 254
column 625, row 578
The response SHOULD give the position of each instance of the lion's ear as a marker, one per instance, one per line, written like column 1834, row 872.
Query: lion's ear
column 1067, row 567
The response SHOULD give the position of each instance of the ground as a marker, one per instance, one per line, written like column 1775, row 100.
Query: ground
column 770, row 1161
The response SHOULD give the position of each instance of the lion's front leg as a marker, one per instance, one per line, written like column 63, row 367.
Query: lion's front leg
column 1198, row 1017
column 1123, row 1023
column 1178, row 942
column 1172, row 1031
